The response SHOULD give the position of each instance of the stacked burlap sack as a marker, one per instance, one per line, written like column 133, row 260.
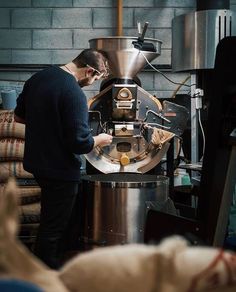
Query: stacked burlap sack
column 11, row 164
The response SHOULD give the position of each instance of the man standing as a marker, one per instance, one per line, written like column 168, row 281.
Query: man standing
column 54, row 109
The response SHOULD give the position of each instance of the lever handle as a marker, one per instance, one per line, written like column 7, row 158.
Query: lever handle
column 139, row 28
column 144, row 31
column 140, row 44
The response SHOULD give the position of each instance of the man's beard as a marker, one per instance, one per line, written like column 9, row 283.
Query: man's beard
column 84, row 82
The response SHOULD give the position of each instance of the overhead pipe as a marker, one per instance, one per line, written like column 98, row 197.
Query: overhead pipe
column 119, row 17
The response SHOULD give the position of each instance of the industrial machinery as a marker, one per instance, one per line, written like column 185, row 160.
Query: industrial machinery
column 204, row 43
column 117, row 192
column 140, row 125
column 207, row 222
column 117, row 201
column 195, row 37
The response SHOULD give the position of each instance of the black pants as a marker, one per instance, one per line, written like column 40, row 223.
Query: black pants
column 57, row 201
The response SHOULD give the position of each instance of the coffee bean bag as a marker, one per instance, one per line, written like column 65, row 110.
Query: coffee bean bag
column 29, row 213
column 13, row 168
column 8, row 127
column 29, row 194
column 11, row 149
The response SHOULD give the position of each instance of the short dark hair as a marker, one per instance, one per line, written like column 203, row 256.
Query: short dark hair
column 94, row 58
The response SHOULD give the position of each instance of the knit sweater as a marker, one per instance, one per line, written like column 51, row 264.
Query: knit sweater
column 56, row 116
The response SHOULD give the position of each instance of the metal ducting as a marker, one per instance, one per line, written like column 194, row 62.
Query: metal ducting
column 196, row 35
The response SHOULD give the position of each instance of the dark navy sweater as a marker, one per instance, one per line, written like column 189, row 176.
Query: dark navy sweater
column 55, row 111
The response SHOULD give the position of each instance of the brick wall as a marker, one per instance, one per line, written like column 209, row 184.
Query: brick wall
column 55, row 31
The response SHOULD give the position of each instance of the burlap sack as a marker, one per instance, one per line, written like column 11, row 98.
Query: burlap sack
column 29, row 194
column 8, row 127
column 13, row 168
column 11, row 149
column 16, row 261
column 30, row 213
column 26, row 194
column 172, row 266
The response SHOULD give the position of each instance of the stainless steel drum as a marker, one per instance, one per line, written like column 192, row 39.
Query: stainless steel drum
column 115, row 206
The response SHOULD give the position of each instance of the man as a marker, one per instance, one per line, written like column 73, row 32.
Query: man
column 54, row 109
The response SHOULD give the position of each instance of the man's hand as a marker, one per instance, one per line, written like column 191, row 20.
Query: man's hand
column 102, row 140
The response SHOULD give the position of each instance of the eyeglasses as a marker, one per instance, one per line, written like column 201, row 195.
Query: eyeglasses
column 104, row 74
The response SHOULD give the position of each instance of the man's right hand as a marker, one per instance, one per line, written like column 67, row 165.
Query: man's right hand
column 102, row 140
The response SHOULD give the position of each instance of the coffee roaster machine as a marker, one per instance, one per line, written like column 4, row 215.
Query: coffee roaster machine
column 119, row 186
column 118, row 190
column 128, row 112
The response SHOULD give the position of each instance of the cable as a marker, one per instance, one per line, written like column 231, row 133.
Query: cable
column 203, row 134
column 180, row 85
column 198, row 104
column 177, row 83
column 178, row 88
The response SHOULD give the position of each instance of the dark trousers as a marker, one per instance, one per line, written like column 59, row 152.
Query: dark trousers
column 57, row 201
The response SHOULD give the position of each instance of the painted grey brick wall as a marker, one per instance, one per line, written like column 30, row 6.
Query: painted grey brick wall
column 5, row 57
column 36, row 56
column 15, row 39
column 4, row 17
column 15, row 76
column 31, row 18
column 157, row 17
column 52, row 3
column 55, row 31
column 15, row 3
column 175, row 3
column 66, row 25
column 106, row 17
column 72, row 18
column 52, row 39
column 81, row 36
column 66, row 55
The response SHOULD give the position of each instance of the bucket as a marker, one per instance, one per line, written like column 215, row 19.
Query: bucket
column 8, row 99
column 115, row 206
